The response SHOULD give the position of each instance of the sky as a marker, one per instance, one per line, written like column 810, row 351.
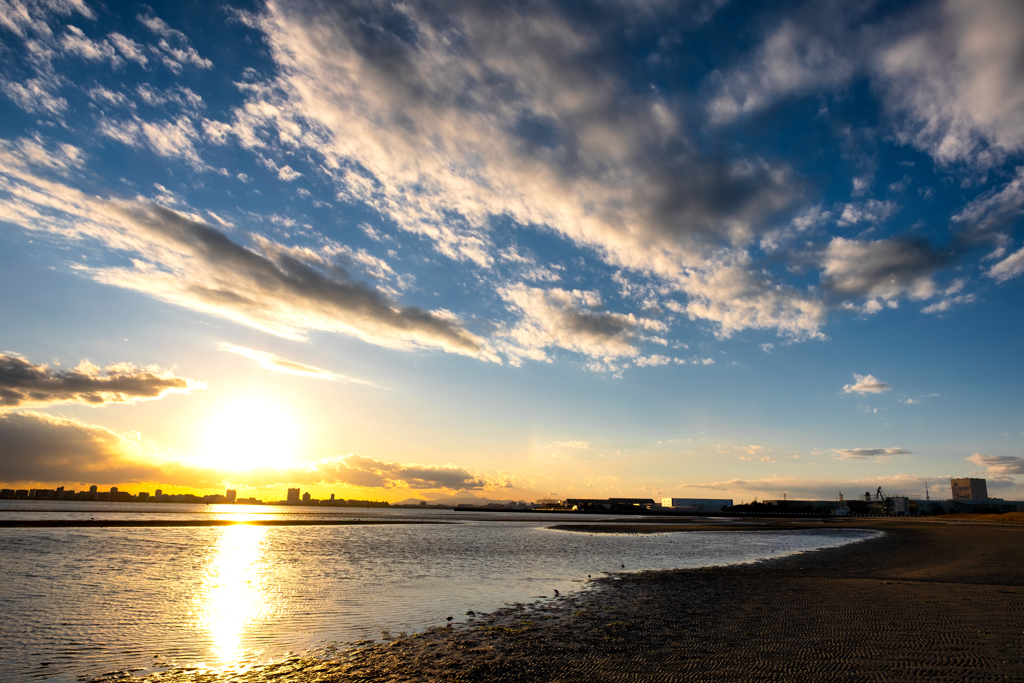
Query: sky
column 519, row 250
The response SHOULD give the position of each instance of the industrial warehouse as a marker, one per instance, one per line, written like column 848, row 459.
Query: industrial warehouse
column 967, row 496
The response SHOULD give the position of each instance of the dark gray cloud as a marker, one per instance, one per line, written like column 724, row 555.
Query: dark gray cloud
column 358, row 470
column 281, row 289
column 46, row 449
column 24, row 384
column 882, row 270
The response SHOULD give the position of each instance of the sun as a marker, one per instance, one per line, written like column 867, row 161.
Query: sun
column 250, row 433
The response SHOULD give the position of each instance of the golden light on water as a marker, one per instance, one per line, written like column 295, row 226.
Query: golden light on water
column 247, row 514
column 234, row 596
column 250, row 433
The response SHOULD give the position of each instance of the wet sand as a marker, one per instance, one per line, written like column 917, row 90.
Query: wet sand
column 928, row 601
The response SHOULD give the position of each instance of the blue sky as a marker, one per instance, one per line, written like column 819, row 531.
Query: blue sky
column 709, row 249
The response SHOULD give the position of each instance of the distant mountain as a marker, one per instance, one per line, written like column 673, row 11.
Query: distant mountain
column 412, row 501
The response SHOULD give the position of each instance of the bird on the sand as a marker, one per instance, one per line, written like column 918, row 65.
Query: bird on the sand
column 623, row 566
column 450, row 618
column 470, row 613
column 556, row 593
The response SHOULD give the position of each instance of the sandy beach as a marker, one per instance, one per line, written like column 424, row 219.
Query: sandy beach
column 928, row 600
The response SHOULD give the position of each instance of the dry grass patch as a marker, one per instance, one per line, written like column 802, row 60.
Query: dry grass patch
column 1003, row 518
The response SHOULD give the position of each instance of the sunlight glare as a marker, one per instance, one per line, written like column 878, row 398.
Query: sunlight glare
column 234, row 599
column 249, row 434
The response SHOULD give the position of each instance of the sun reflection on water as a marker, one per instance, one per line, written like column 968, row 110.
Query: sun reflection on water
column 234, row 598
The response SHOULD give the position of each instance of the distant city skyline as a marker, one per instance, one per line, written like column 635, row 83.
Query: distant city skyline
column 699, row 250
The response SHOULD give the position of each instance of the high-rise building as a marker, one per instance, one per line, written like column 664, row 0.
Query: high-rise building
column 159, row 492
column 231, row 495
column 305, row 497
column 93, row 489
column 293, row 496
column 969, row 489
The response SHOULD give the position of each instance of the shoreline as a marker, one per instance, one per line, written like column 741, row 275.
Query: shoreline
column 143, row 523
column 919, row 602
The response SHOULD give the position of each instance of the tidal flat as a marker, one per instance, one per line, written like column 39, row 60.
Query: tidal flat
column 925, row 600
column 111, row 591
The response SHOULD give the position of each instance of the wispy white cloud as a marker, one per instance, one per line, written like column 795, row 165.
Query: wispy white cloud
column 173, row 48
column 37, row 25
column 184, row 98
column 947, row 72
column 869, row 453
column 865, row 384
column 76, row 42
column 270, row 361
column 804, row 223
column 129, row 49
column 812, row 488
column 951, row 80
column 25, row 18
column 994, row 212
column 170, row 139
column 949, row 303
column 572, row 320
column 790, row 61
column 870, row 211
column 1010, row 267
column 36, row 95
column 572, row 444
column 999, row 465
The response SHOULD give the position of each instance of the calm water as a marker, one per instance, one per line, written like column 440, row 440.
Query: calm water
column 89, row 601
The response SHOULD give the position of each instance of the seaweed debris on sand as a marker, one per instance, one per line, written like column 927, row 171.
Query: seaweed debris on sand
column 924, row 601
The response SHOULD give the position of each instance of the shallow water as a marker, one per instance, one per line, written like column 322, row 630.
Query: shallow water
column 88, row 601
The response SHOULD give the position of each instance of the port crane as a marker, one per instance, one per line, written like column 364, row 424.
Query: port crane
column 881, row 497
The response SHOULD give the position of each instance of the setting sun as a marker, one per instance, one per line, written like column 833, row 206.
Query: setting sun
column 248, row 434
